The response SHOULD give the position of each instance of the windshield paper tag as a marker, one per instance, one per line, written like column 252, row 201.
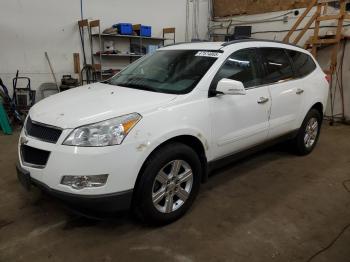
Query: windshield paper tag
column 208, row 54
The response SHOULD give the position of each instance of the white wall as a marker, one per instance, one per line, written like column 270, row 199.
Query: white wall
column 28, row 28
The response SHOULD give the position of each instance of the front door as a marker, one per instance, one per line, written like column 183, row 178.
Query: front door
column 240, row 121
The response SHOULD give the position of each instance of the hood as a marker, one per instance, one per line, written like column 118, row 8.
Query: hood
column 93, row 103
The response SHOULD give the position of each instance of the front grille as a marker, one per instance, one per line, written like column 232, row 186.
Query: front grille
column 34, row 156
column 42, row 132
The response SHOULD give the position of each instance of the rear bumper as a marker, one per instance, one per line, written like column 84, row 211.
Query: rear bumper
column 106, row 203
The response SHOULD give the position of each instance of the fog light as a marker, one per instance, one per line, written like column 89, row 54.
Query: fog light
column 80, row 182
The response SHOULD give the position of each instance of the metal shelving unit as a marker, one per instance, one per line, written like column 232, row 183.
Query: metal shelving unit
column 133, row 39
column 120, row 55
column 130, row 36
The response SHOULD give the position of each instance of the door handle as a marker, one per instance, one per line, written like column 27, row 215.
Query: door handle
column 299, row 91
column 263, row 100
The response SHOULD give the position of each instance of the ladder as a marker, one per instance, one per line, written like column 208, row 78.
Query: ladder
column 319, row 16
column 316, row 40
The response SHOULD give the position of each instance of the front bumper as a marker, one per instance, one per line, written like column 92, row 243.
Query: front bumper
column 106, row 203
column 122, row 163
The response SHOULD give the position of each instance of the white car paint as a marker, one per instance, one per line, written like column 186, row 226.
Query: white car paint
column 224, row 124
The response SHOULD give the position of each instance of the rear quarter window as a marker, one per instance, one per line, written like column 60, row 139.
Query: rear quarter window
column 303, row 63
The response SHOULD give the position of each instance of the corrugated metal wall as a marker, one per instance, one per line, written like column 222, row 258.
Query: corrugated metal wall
column 224, row 8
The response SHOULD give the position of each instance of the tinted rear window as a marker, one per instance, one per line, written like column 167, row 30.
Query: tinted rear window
column 303, row 63
column 277, row 65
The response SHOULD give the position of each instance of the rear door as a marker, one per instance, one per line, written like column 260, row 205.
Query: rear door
column 240, row 121
column 286, row 95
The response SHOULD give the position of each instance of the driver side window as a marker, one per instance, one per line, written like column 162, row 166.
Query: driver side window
column 240, row 66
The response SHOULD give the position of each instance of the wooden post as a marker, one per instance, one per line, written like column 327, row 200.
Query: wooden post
column 76, row 63
column 316, row 32
column 338, row 36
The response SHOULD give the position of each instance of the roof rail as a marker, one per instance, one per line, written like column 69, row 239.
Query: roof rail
column 196, row 41
column 255, row 40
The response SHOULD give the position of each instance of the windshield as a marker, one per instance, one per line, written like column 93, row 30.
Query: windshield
column 167, row 71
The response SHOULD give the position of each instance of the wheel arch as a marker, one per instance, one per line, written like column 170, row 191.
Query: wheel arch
column 319, row 107
column 193, row 141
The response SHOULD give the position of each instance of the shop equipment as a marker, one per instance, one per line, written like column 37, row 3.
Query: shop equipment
column 12, row 105
column 4, row 120
column 87, row 69
column 89, row 72
column 68, row 82
column 24, row 97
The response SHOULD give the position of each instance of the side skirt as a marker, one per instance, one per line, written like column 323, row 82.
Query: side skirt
column 221, row 162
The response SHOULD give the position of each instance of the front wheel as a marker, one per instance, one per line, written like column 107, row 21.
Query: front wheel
column 168, row 185
column 308, row 133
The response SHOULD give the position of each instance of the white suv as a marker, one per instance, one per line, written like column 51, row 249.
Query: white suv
column 148, row 137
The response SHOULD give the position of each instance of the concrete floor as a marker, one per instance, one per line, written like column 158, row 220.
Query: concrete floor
column 273, row 206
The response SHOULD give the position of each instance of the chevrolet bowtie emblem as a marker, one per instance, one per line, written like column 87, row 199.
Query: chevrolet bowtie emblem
column 23, row 140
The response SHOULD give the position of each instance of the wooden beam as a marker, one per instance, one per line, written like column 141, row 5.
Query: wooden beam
column 325, row 41
column 307, row 26
column 328, row 17
column 300, row 19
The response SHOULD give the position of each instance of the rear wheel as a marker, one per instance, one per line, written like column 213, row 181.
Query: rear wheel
column 309, row 133
column 168, row 185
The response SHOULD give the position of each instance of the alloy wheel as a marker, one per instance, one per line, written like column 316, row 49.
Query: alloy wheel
column 172, row 186
column 311, row 133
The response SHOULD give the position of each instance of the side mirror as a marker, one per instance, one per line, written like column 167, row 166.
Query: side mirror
column 230, row 87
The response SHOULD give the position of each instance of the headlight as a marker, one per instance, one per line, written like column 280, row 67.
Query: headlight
column 105, row 133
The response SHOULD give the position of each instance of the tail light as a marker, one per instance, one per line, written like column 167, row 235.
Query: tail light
column 328, row 78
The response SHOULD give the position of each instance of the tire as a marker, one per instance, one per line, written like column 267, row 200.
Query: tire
column 306, row 139
column 149, row 203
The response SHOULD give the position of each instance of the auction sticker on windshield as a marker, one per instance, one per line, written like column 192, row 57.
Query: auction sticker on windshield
column 208, row 54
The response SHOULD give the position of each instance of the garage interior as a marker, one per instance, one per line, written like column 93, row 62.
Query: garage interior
column 269, row 206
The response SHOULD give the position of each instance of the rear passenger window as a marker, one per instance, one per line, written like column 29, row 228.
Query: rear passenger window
column 277, row 64
column 240, row 66
column 303, row 63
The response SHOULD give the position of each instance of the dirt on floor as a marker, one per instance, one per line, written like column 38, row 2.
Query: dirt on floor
column 273, row 206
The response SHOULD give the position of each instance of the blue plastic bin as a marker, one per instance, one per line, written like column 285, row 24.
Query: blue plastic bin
column 124, row 28
column 146, row 31
column 143, row 30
